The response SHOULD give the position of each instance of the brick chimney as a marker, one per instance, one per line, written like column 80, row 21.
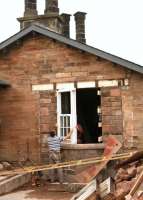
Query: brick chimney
column 66, row 24
column 51, row 6
column 80, row 26
column 30, row 8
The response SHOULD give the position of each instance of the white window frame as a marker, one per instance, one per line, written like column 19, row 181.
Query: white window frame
column 73, row 115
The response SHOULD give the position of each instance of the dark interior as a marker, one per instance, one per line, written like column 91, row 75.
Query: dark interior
column 87, row 116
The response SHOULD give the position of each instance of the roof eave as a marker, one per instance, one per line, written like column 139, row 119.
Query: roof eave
column 83, row 47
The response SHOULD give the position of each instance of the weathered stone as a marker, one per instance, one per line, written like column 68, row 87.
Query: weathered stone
column 80, row 26
column 66, row 26
column 123, row 188
column 25, row 114
column 1, row 167
column 7, row 165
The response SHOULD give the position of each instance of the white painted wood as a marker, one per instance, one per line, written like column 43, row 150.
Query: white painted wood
column 99, row 92
column 73, row 117
column 128, row 197
column 90, row 84
column 61, row 116
column 108, row 83
column 65, row 86
column 126, row 82
column 98, row 109
column 106, row 187
column 58, row 112
column 86, row 192
column 99, row 124
column 42, row 87
column 139, row 193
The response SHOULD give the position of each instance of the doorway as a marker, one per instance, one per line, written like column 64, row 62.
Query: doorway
column 88, row 104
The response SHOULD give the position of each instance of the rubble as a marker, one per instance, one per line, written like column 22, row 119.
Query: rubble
column 133, row 160
column 1, row 167
column 7, row 165
column 107, row 188
column 127, row 184
column 127, row 180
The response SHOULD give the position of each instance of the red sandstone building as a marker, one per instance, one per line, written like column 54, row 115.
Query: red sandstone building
column 50, row 81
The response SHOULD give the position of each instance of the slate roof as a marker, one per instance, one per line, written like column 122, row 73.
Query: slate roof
column 73, row 43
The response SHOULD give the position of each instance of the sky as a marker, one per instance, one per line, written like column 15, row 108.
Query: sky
column 114, row 26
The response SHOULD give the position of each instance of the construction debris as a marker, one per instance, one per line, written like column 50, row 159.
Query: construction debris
column 129, row 177
column 126, row 185
column 7, row 165
column 90, row 161
column 136, row 157
column 135, row 187
column 86, row 192
column 107, row 188
column 11, row 183
column 112, row 146
column 1, row 167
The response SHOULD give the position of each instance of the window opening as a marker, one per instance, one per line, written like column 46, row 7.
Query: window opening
column 88, row 115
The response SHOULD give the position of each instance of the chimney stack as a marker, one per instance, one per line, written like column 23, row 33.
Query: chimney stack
column 66, row 24
column 30, row 8
column 80, row 26
column 51, row 7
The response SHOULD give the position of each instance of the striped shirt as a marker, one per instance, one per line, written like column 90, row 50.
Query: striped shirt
column 54, row 143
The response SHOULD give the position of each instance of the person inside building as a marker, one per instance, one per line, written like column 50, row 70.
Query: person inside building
column 80, row 134
column 82, row 129
column 54, row 145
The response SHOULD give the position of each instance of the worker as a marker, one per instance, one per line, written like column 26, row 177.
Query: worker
column 80, row 134
column 54, row 145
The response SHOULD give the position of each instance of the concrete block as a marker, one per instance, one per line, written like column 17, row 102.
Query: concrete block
column 90, row 84
column 108, row 83
column 13, row 183
column 63, row 86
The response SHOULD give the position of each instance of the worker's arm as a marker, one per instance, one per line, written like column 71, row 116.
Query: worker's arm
column 69, row 134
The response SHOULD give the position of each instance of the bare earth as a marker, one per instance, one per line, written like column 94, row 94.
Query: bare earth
column 37, row 194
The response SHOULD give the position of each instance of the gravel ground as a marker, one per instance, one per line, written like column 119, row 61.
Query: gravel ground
column 37, row 194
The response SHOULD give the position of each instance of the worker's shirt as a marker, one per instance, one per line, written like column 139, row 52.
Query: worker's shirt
column 54, row 143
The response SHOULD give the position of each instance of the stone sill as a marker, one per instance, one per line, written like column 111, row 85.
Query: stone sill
column 83, row 146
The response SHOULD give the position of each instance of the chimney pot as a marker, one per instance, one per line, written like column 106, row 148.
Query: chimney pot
column 66, row 24
column 51, row 6
column 30, row 8
column 80, row 26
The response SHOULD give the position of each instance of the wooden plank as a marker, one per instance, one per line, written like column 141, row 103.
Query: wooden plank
column 86, row 192
column 135, row 157
column 111, row 147
column 107, row 187
column 36, row 168
column 135, row 187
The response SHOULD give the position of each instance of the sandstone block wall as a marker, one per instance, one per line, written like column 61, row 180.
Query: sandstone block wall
column 27, row 115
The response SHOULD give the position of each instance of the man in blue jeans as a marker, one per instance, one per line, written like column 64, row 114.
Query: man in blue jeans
column 54, row 145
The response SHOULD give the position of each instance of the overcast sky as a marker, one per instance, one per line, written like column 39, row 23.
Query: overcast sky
column 115, row 26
